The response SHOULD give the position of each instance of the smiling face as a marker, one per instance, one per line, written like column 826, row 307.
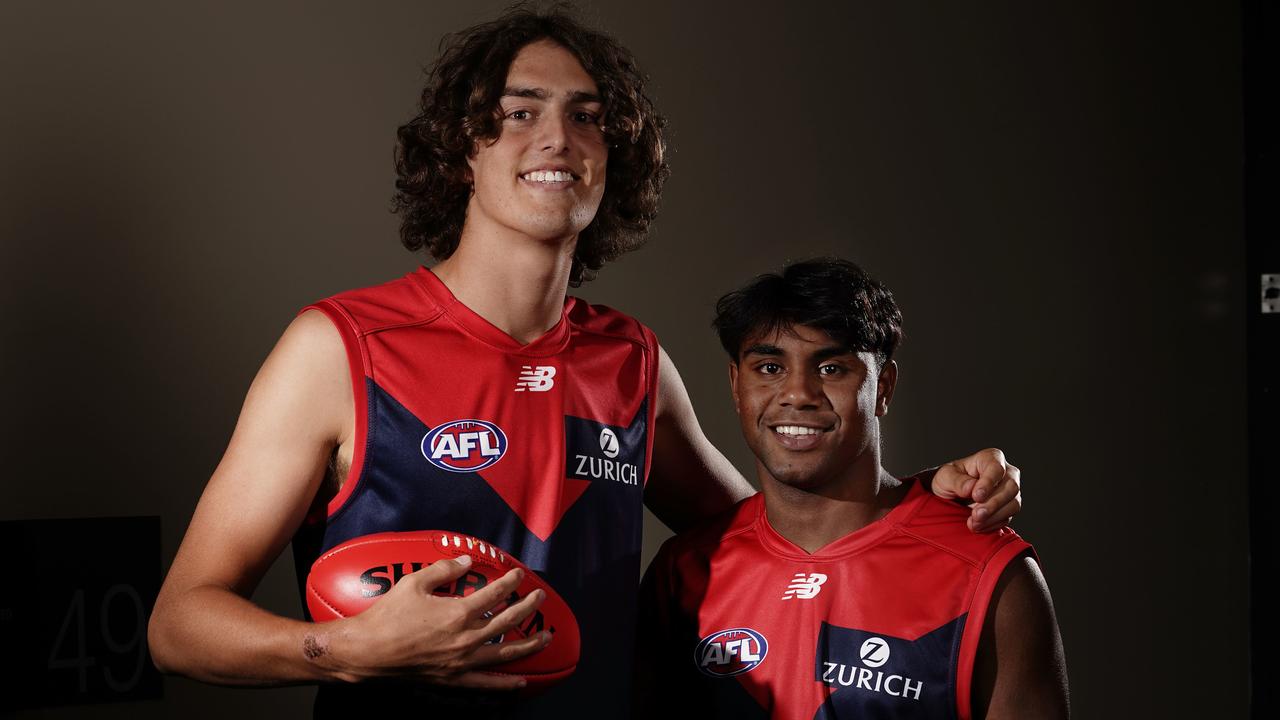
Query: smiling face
column 809, row 407
column 544, row 175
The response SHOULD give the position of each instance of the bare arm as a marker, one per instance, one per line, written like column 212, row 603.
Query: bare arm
column 298, row 410
column 1020, row 670
column 690, row 479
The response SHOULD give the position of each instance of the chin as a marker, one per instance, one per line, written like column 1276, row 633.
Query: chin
column 550, row 226
column 797, row 478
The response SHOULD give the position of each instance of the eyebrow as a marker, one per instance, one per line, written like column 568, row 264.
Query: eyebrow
column 577, row 96
column 773, row 350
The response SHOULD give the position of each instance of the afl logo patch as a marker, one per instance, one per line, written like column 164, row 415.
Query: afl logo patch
column 730, row 652
column 464, row 446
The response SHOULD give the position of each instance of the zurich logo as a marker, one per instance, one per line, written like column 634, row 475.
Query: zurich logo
column 609, row 443
column 730, row 652
column 874, row 652
column 464, row 446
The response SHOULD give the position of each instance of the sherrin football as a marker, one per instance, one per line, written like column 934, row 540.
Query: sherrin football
column 352, row 576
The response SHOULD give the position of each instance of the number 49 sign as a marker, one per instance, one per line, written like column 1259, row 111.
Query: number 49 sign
column 73, row 610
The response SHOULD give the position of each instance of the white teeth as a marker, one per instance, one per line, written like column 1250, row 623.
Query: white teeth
column 543, row 176
column 795, row 430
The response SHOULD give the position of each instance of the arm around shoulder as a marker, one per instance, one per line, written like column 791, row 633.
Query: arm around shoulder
column 690, row 479
column 1020, row 671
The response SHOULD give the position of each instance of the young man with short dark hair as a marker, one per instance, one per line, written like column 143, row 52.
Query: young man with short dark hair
column 840, row 590
column 535, row 158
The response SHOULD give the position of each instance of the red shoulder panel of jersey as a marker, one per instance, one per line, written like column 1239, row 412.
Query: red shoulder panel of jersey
column 399, row 302
column 942, row 523
column 606, row 321
column 691, row 550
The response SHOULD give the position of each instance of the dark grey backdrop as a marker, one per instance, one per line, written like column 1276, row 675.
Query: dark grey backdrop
column 1052, row 189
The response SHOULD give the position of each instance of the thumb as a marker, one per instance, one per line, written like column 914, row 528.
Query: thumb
column 951, row 479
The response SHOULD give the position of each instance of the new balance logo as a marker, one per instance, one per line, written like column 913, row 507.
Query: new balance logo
column 536, row 378
column 805, row 586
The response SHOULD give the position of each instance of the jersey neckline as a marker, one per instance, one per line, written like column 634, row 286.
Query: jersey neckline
column 855, row 542
column 549, row 343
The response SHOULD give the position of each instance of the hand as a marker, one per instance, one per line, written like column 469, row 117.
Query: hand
column 411, row 633
column 993, row 484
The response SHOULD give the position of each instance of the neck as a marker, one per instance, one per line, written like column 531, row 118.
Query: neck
column 815, row 517
column 515, row 282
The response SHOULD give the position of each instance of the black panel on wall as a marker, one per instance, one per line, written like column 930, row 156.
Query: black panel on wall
column 1261, row 33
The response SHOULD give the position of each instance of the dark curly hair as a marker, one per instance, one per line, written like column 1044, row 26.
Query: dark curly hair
column 459, row 108
column 827, row 293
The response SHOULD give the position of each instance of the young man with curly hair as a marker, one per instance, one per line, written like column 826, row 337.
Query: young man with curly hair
column 536, row 158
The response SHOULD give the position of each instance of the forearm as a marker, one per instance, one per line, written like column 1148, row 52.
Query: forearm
column 211, row 634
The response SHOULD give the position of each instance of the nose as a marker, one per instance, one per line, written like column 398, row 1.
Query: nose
column 801, row 391
column 554, row 132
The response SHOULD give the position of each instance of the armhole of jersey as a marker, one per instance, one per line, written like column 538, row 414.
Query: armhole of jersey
column 653, row 358
column 972, row 634
column 357, row 362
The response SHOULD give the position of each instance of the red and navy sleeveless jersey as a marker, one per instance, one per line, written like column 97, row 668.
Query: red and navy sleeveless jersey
column 540, row 449
column 736, row 621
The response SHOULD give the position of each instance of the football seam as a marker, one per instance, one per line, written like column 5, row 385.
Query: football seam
column 504, row 560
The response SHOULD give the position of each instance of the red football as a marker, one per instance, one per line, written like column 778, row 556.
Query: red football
column 352, row 576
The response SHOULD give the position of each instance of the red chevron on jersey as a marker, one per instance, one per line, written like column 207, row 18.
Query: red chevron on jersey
column 883, row 622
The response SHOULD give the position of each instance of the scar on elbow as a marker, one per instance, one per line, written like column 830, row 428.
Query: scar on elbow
column 313, row 648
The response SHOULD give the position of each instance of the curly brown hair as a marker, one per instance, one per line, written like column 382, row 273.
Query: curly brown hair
column 459, row 108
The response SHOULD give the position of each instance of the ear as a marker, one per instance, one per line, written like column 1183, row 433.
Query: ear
column 733, row 383
column 885, row 384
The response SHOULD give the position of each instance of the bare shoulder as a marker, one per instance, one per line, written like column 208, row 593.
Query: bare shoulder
column 312, row 346
column 297, row 412
column 1021, row 668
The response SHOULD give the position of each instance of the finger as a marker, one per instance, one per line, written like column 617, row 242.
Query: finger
column 990, row 468
column 1001, row 504
column 508, row 651
column 984, row 519
column 440, row 572
column 1004, row 489
column 484, row 599
column 512, row 616
column 482, row 681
